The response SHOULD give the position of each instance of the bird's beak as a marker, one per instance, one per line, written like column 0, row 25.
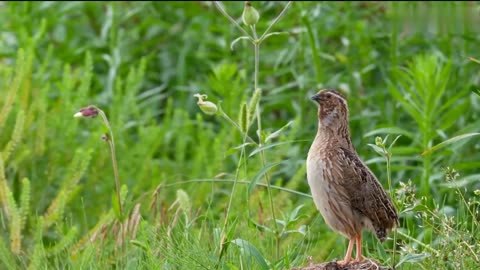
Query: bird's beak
column 315, row 97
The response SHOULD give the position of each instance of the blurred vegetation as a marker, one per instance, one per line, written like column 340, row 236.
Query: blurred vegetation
column 187, row 176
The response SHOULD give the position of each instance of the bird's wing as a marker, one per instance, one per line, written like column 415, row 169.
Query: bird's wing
column 365, row 192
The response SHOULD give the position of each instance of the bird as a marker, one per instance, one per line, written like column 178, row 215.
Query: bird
column 345, row 191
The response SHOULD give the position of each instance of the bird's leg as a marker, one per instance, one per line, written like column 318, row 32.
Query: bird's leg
column 359, row 257
column 348, row 256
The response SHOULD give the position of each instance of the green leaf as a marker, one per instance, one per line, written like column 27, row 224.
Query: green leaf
column 381, row 251
column 65, row 242
column 448, row 142
column 377, row 149
column 476, row 91
column 115, row 206
column 235, row 149
column 389, row 130
column 294, row 214
column 277, row 133
column 452, row 114
column 233, row 226
column 257, row 177
column 268, row 146
column 412, row 258
column 281, row 222
column 231, row 266
column 384, row 142
column 393, row 143
column 248, row 249
column 224, row 237
column 259, row 227
column 406, row 150
column 237, row 40
column 274, row 34
column 301, row 230
column 139, row 244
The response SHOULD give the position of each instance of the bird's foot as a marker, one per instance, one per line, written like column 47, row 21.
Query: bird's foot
column 343, row 262
column 359, row 258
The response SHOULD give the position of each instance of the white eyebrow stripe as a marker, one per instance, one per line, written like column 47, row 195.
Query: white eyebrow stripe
column 338, row 96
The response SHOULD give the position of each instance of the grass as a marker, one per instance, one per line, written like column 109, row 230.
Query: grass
column 228, row 190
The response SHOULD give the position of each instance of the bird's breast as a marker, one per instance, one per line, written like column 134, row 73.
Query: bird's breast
column 318, row 175
column 324, row 175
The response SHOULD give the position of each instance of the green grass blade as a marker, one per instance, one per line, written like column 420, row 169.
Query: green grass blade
column 248, row 249
column 259, row 175
column 448, row 142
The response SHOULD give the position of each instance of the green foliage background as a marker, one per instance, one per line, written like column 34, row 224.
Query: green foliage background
column 404, row 67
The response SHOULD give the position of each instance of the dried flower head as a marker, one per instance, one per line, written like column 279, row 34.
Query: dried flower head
column 90, row 111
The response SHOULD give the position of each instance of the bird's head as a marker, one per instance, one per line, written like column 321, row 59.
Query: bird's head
column 333, row 109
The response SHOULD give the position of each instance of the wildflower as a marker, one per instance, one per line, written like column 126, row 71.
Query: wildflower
column 90, row 111
column 206, row 106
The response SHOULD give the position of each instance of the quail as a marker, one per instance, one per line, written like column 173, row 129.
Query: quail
column 344, row 189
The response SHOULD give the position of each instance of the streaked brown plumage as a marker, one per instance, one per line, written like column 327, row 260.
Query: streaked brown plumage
column 345, row 191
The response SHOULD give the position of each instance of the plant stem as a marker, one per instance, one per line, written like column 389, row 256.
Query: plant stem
column 389, row 180
column 235, row 181
column 276, row 19
column 219, row 7
column 419, row 243
column 394, row 36
column 226, row 117
column 474, row 60
column 238, row 182
column 426, row 165
column 389, row 177
column 316, row 59
column 111, row 143
column 256, row 45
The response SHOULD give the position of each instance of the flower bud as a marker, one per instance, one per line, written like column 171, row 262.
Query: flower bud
column 378, row 141
column 90, row 111
column 250, row 15
column 206, row 106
